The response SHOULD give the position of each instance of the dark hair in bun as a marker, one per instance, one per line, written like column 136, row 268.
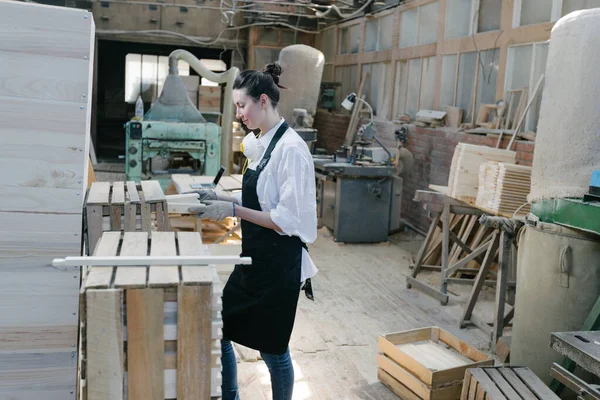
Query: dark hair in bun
column 257, row 83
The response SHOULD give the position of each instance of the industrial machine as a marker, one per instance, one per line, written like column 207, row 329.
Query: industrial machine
column 359, row 188
column 174, row 137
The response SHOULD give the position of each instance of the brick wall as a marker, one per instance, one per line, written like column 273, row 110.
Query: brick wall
column 331, row 127
column 433, row 150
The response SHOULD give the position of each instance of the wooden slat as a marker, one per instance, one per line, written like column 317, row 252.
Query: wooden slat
column 487, row 384
column 399, row 389
column 118, row 193
column 194, row 325
column 153, row 192
column 517, row 384
column 132, row 192
column 130, row 217
column 101, row 277
column 45, row 28
column 99, row 193
column 134, row 244
column 146, row 212
column 94, row 224
column 534, row 383
column 466, row 385
column 502, row 384
column 163, row 244
column 145, row 344
column 190, row 244
column 115, row 217
column 104, row 344
column 162, row 217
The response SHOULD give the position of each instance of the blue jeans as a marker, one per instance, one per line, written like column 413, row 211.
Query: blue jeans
column 280, row 369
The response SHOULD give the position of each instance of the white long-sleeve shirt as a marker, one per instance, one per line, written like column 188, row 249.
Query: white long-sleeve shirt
column 286, row 189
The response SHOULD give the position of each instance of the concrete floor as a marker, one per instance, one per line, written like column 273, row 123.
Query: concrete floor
column 360, row 293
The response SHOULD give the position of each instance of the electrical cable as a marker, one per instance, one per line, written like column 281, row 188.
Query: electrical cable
column 339, row 12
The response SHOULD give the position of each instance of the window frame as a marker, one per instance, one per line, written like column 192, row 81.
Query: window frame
column 473, row 24
column 418, row 8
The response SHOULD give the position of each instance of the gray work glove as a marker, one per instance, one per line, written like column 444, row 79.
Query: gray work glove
column 205, row 194
column 209, row 194
column 214, row 210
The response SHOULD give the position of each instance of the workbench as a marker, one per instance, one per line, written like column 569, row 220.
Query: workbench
column 583, row 348
column 483, row 250
column 182, row 183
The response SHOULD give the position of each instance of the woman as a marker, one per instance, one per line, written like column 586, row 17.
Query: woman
column 277, row 207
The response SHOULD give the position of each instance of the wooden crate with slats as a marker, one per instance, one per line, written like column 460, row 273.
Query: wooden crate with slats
column 426, row 363
column 124, row 206
column 150, row 332
column 504, row 383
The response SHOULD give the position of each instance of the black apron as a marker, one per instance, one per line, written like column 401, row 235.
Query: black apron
column 260, row 300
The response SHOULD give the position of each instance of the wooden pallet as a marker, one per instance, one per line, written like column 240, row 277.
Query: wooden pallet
column 503, row 189
column 426, row 363
column 504, row 383
column 123, row 206
column 150, row 332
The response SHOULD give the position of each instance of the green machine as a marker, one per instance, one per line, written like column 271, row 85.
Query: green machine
column 579, row 213
column 173, row 136
column 157, row 149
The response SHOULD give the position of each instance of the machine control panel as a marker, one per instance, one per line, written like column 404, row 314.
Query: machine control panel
column 135, row 130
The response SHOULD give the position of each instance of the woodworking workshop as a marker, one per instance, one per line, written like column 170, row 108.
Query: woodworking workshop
column 299, row 200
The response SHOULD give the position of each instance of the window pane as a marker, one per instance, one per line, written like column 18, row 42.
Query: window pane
column 534, row 12
column 327, row 42
column 133, row 77
column 372, row 88
column 466, row 83
column 518, row 67
column 414, row 84
column 149, row 77
column 386, row 27
column 408, row 28
column 428, row 75
column 353, row 38
column 489, row 15
column 401, row 87
column 348, row 76
column 458, row 18
column 486, row 81
column 385, row 94
column 539, row 67
column 448, row 80
column 343, row 41
column 574, row 5
column 371, row 35
column 428, row 23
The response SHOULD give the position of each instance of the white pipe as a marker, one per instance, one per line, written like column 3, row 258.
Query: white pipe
column 144, row 261
column 227, row 77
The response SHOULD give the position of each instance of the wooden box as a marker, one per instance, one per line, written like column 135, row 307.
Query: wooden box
column 427, row 363
column 504, row 383
column 124, row 206
column 150, row 333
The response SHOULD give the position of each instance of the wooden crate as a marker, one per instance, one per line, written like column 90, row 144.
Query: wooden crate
column 504, row 383
column 124, row 206
column 151, row 333
column 430, row 363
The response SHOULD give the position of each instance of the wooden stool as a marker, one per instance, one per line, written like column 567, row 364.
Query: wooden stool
column 160, row 324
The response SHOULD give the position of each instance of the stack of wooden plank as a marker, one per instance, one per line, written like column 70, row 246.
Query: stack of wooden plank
column 151, row 332
column 426, row 363
column 463, row 182
column 503, row 188
column 46, row 65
